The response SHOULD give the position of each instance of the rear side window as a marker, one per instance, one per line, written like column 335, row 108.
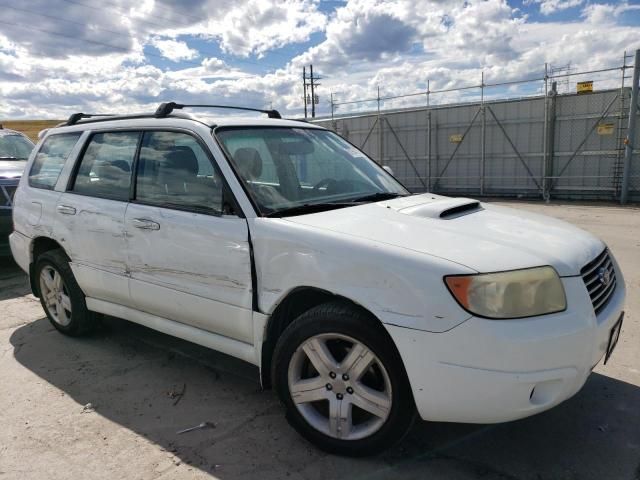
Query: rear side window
column 105, row 167
column 51, row 158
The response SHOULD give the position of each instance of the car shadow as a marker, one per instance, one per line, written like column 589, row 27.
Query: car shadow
column 14, row 282
column 133, row 376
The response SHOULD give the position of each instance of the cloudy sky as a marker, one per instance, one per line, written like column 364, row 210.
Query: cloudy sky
column 61, row 56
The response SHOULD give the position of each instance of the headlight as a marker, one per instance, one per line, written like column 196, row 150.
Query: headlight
column 514, row 294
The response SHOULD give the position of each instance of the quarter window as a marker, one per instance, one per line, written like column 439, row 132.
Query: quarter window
column 175, row 171
column 51, row 158
column 105, row 168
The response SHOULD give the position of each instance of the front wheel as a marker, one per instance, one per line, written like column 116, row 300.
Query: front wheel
column 342, row 381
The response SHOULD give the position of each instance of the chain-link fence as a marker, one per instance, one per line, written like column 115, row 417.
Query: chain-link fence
column 547, row 144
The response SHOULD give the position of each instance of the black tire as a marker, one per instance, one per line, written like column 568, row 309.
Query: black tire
column 339, row 317
column 82, row 321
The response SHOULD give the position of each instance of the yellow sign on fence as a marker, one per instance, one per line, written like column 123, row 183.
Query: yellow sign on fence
column 455, row 138
column 585, row 87
column 605, row 128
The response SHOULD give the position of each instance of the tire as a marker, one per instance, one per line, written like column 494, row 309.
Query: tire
column 60, row 296
column 369, row 398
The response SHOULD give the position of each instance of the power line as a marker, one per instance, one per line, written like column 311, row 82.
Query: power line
column 470, row 87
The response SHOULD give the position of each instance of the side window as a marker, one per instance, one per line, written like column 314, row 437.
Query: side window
column 175, row 171
column 105, row 167
column 51, row 158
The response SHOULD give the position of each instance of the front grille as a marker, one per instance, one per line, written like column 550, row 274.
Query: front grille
column 600, row 279
column 6, row 195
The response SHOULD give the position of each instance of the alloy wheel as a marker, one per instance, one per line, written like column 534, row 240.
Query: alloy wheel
column 340, row 386
column 55, row 295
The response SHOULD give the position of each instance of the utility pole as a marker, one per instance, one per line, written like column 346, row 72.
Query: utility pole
column 309, row 86
column 630, row 141
column 313, row 95
column 304, row 89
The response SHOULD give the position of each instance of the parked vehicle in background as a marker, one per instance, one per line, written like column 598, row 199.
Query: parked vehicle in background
column 15, row 149
column 280, row 243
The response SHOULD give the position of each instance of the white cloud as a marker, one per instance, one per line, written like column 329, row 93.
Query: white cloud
column 547, row 7
column 606, row 13
column 256, row 26
column 397, row 45
column 174, row 50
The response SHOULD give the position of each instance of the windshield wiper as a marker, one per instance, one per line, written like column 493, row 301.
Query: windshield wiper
column 10, row 158
column 307, row 208
column 378, row 196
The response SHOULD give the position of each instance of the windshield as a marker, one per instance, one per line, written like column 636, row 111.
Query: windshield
column 286, row 169
column 14, row 147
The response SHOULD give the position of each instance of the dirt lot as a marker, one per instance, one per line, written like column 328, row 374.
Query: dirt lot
column 30, row 128
column 131, row 375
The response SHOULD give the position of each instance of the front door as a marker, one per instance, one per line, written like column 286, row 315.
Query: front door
column 188, row 253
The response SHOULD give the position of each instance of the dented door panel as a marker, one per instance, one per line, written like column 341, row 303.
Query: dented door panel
column 193, row 267
column 91, row 230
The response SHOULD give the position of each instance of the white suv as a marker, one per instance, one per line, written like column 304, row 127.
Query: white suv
column 280, row 243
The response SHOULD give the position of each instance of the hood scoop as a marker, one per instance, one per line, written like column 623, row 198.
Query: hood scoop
column 445, row 209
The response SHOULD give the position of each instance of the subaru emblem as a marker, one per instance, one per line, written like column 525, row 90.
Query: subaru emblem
column 604, row 275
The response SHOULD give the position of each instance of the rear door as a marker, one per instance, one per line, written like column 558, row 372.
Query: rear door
column 188, row 253
column 90, row 214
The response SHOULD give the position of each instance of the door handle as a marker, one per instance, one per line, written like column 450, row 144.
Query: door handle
column 145, row 224
column 66, row 210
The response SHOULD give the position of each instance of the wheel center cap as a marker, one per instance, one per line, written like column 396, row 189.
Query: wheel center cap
column 338, row 386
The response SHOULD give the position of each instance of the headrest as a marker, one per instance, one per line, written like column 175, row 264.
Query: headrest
column 183, row 158
column 249, row 162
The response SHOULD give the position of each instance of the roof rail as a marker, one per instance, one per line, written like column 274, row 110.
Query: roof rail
column 76, row 117
column 166, row 108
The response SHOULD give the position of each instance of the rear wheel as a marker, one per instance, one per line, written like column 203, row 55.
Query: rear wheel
column 62, row 299
column 342, row 381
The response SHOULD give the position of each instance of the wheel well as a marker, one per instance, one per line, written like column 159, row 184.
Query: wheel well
column 294, row 304
column 39, row 246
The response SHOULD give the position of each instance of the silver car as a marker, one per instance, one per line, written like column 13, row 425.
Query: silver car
column 15, row 148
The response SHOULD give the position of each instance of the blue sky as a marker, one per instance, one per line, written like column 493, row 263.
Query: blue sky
column 60, row 56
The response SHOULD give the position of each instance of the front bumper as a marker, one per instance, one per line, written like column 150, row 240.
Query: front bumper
column 488, row 371
column 6, row 226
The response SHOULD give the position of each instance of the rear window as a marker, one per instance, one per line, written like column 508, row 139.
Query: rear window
column 105, row 168
column 51, row 158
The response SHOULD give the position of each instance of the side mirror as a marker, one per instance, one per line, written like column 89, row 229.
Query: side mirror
column 388, row 169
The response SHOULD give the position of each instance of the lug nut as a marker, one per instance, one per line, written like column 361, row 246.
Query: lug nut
column 349, row 390
column 339, row 396
column 345, row 377
column 329, row 386
column 332, row 374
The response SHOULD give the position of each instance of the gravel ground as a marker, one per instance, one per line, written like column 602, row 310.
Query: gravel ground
column 109, row 406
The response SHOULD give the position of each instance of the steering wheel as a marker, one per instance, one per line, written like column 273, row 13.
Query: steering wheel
column 325, row 182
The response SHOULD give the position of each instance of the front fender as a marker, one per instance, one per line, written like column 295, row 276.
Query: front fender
column 399, row 286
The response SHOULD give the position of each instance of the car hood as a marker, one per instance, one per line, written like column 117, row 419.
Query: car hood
column 11, row 168
column 483, row 237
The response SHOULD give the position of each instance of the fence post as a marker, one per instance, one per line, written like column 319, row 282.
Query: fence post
column 380, row 133
column 631, row 131
column 483, row 135
column 428, row 139
column 549, row 129
column 429, row 150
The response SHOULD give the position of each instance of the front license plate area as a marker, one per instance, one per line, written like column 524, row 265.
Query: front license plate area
column 614, row 336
